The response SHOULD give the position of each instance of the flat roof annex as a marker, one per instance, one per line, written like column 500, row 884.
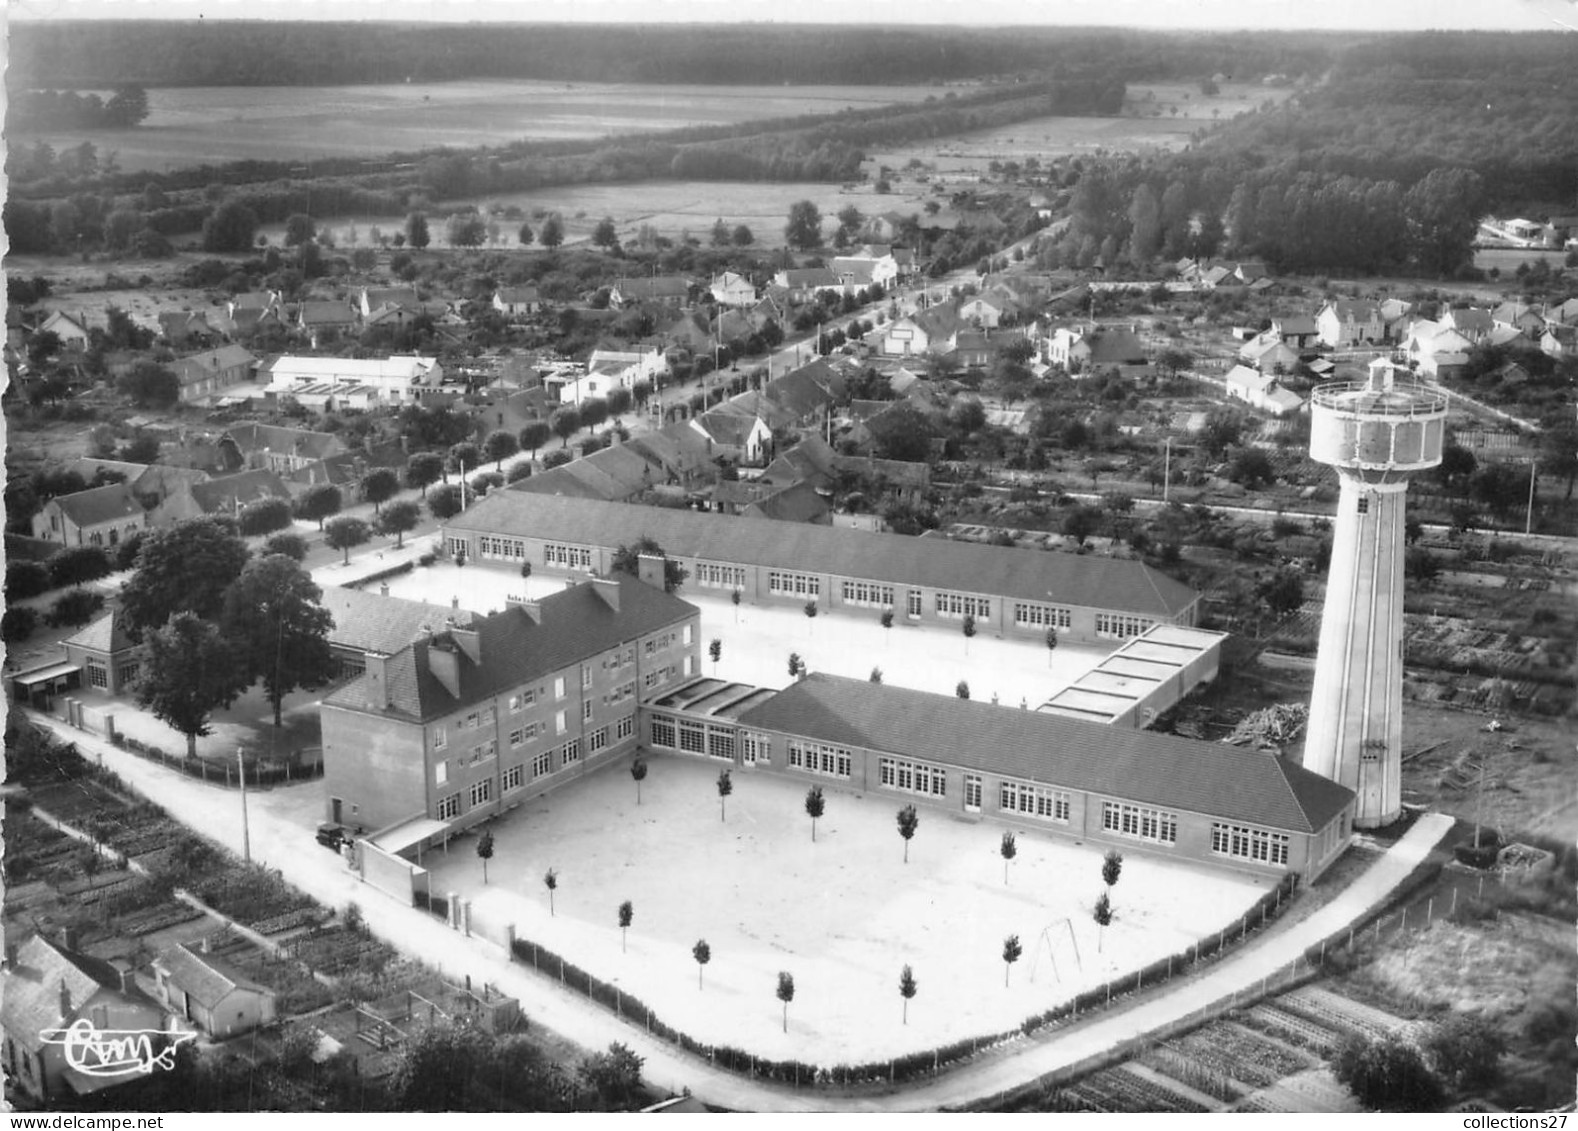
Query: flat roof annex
column 1028, row 575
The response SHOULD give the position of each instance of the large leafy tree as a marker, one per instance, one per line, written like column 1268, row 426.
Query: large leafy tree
column 346, row 533
column 627, row 559
column 230, row 227
column 183, row 569
column 1387, row 1074
column 416, row 230
column 424, row 469
column 379, row 486
column 318, row 503
column 278, row 630
column 188, row 672
column 399, row 517
column 804, row 229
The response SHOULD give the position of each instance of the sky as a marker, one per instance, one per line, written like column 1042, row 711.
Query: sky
column 1374, row 15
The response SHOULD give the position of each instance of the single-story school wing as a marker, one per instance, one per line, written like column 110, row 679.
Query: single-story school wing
column 1009, row 591
column 1205, row 802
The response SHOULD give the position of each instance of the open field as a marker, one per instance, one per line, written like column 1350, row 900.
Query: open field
column 208, row 125
column 756, row 647
column 842, row 915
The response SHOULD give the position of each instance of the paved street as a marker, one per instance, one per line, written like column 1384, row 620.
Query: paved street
column 280, row 822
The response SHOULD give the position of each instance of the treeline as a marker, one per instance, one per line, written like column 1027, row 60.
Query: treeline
column 71, row 110
column 276, row 53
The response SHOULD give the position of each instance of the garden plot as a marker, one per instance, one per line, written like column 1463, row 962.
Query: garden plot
column 757, row 640
column 843, row 915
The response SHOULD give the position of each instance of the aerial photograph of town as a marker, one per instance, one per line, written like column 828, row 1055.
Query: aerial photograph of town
column 791, row 561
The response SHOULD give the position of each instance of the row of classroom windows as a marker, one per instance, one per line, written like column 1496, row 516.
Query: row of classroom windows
column 452, row 805
column 1016, row 798
column 808, row 586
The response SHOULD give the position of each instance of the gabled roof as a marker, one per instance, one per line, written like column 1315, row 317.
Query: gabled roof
column 661, row 286
column 100, row 504
column 1035, row 575
column 30, row 998
column 232, row 492
column 177, row 325
column 730, row 428
column 1115, row 346
column 515, row 649
column 1295, row 324
column 374, row 297
column 1469, row 320
column 201, row 365
column 1210, row 778
column 325, row 312
column 370, row 622
column 802, row 277
column 1353, row 310
column 106, row 635
column 518, row 294
column 805, row 390
column 250, row 438
column 205, row 978
column 253, row 300
column 798, row 502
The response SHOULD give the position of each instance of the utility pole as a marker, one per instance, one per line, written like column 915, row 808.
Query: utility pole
column 246, row 832
column 1528, row 518
column 1167, row 469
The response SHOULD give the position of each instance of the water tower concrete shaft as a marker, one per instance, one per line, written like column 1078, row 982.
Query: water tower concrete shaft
column 1376, row 434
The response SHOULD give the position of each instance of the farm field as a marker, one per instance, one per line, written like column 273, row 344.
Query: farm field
column 208, row 125
column 843, row 915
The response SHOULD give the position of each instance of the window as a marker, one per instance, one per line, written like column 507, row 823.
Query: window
column 459, row 547
column 128, row 673
column 1033, row 801
column 868, row 593
column 960, row 605
column 712, row 576
column 507, row 549
column 819, row 758
column 482, row 792
column 449, row 807
column 757, row 748
column 663, row 731
column 586, row 677
column 586, row 710
column 782, row 583
column 1139, row 822
column 912, row 603
column 1364, row 504
column 1028, row 615
column 598, row 741
column 517, row 737
column 558, row 687
column 1121, row 627
column 720, row 744
column 692, row 736
column 625, row 727
column 657, row 676
column 514, row 778
column 972, row 793
column 572, row 752
column 559, row 724
column 622, row 692
column 912, row 777
column 542, row 764
column 483, row 751
column 98, row 676
column 440, row 773
column 440, row 738
column 688, row 630
column 522, row 699
column 567, row 557
column 1261, row 845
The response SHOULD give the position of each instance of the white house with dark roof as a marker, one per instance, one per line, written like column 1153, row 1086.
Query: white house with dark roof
column 517, row 302
column 1261, row 391
column 100, row 516
column 733, row 289
column 212, row 994
column 394, row 381
column 204, row 374
column 1350, row 322
column 1008, row 590
column 667, row 290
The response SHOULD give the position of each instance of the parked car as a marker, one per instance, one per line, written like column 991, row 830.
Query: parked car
column 333, row 836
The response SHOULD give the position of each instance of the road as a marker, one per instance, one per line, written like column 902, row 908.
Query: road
column 280, row 823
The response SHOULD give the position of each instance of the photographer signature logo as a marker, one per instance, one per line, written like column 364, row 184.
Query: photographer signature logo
column 115, row 1052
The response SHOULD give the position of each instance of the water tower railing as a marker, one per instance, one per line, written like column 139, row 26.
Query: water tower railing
column 1405, row 400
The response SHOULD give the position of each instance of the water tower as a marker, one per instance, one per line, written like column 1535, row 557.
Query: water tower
column 1376, row 433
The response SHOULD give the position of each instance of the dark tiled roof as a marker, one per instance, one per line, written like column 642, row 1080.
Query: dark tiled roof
column 325, row 312
column 30, row 999
column 798, row 503
column 1037, row 575
column 273, row 438
column 106, row 635
column 207, row 979
column 575, row 624
column 1116, row 347
column 100, row 504
column 231, row 492
column 663, row 286
column 1133, row 765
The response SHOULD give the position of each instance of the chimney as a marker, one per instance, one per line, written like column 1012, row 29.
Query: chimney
column 608, row 589
column 383, row 589
column 377, row 680
column 468, row 638
column 204, row 945
column 532, row 609
column 10, row 955
column 443, row 660
column 649, row 568
column 65, row 999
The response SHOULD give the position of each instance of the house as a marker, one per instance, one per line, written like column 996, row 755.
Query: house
column 204, row 374
column 1394, row 315
column 1269, row 354
column 105, row 653
column 1564, row 314
column 664, row 290
column 1559, row 341
column 517, row 302
column 733, row 289
column 1296, row 330
column 253, row 304
column 47, row 988
column 399, row 317
column 100, row 516
column 611, row 369
column 973, row 349
column 1350, row 322
column 226, row 495
column 372, row 299
column 1261, row 391
column 71, row 329
column 770, row 308
column 987, row 311
column 374, row 623
column 805, row 394
column 742, row 436
column 904, row 337
column 1474, row 324
column 1519, row 316
column 211, row 993
column 863, row 270
column 803, row 284
column 183, row 329
column 1079, row 349
column 888, row 225
column 281, row 450
column 456, row 726
column 319, row 317
column 380, row 382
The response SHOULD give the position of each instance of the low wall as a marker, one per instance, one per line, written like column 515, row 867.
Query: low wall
column 393, row 875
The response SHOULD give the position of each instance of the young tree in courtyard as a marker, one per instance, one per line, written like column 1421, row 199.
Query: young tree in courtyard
column 876, row 675
column 485, row 851
column 908, row 822
column 627, row 912
column 1009, row 848
column 715, row 650
column 702, row 953
column 1051, row 639
column 550, row 880
column 907, row 988
column 499, row 446
column 969, row 630
column 345, row 534
column 424, row 469
column 814, row 806
column 380, row 486
column 187, row 674
column 962, row 690
column 1011, row 952
column 886, row 621
column 278, row 629
column 319, row 503
column 810, row 613
column 785, row 993
column 1111, row 867
column 638, row 771
column 794, row 664
column 734, row 599
column 399, row 518
column 725, row 787
column 1103, row 915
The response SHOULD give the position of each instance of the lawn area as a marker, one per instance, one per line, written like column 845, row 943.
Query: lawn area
column 757, row 639
column 842, row 915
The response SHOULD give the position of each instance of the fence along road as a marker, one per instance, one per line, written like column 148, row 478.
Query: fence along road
column 282, row 822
